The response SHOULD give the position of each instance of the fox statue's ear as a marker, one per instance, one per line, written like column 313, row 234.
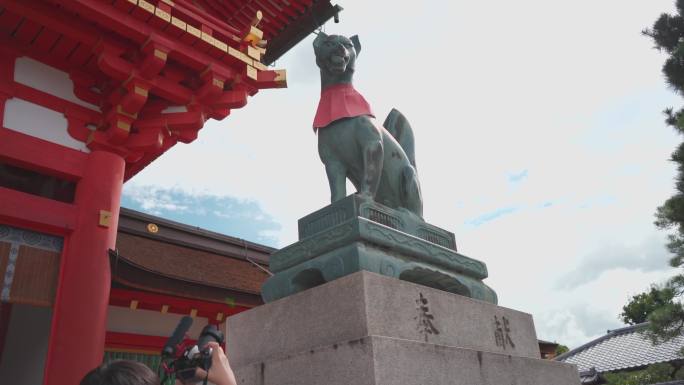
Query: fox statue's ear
column 319, row 39
column 356, row 42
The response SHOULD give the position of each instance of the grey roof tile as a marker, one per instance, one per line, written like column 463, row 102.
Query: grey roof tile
column 622, row 349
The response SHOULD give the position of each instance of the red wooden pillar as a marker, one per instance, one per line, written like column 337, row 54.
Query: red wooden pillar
column 80, row 312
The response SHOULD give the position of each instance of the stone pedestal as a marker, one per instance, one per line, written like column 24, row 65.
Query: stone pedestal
column 356, row 234
column 366, row 328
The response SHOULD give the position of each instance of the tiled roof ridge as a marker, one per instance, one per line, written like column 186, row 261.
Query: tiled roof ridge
column 121, row 257
column 609, row 334
column 627, row 329
column 200, row 231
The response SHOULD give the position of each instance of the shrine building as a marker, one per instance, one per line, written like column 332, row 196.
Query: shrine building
column 91, row 92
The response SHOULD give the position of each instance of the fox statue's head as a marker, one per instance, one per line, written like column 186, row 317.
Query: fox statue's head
column 336, row 57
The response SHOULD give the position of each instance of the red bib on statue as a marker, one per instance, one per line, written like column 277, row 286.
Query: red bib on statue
column 340, row 101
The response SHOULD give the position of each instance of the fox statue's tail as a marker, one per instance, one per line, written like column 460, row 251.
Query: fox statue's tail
column 401, row 130
column 410, row 195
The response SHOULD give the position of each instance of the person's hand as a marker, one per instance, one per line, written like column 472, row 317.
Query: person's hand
column 220, row 372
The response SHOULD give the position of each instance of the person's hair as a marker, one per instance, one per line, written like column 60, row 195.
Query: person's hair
column 121, row 372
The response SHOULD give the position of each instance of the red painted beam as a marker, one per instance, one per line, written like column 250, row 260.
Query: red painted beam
column 65, row 45
column 209, row 20
column 53, row 102
column 40, row 155
column 130, row 27
column 269, row 24
column 9, row 21
column 46, row 40
column 121, row 70
column 298, row 6
column 28, row 31
column 217, row 8
column 276, row 14
column 37, row 213
column 46, row 15
column 177, row 305
column 135, row 342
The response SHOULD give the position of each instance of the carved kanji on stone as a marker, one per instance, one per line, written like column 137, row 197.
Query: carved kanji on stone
column 425, row 318
column 502, row 332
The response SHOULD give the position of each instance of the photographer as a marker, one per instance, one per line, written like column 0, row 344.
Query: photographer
column 134, row 373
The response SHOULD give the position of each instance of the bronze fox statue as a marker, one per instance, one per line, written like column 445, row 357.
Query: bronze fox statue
column 379, row 161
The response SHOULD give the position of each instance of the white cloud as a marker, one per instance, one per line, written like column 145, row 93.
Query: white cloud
column 569, row 92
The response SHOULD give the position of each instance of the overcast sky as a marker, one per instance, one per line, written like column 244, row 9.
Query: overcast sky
column 540, row 143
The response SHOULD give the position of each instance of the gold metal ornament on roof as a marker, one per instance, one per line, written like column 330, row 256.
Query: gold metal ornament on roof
column 152, row 228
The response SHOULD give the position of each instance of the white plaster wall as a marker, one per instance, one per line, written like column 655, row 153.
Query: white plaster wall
column 147, row 322
column 23, row 358
column 40, row 122
column 48, row 79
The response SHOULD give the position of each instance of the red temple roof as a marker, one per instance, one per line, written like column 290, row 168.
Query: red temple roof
column 153, row 70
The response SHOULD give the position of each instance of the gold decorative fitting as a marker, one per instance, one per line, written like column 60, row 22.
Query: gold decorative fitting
column 254, row 35
column 165, row 309
column 160, row 54
column 219, row 317
column 105, row 218
column 193, row 313
column 208, row 38
column 119, row 110
column 220, row 45
column 134, row 304
column 193, row 31
column 123, row 125
column 257, row 18
column 240, row 56
column 246, row 59
column 160, row 13
column 178, row 22
column 146, row 6
column 253, row 53
column 217, row 83
column 281, row 78
column 152, row 228
column 251, row 72
column 140, row 91
column 234, row 53
column 260, row 66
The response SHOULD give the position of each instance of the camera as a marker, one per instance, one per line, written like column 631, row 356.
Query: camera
column 181, row 357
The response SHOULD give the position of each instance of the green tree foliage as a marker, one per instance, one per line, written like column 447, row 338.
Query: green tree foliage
column 667, row 32
column 642, row 305
column 651, row 375
column 561, row 349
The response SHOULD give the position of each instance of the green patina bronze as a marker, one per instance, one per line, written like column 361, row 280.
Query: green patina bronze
column 380, row 228
column 379, row 161
column 357, row 233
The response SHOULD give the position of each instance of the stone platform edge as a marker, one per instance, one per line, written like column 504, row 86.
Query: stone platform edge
column 378, row 360
column 365, row 303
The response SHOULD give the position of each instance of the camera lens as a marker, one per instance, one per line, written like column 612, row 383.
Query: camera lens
column 209, row 333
